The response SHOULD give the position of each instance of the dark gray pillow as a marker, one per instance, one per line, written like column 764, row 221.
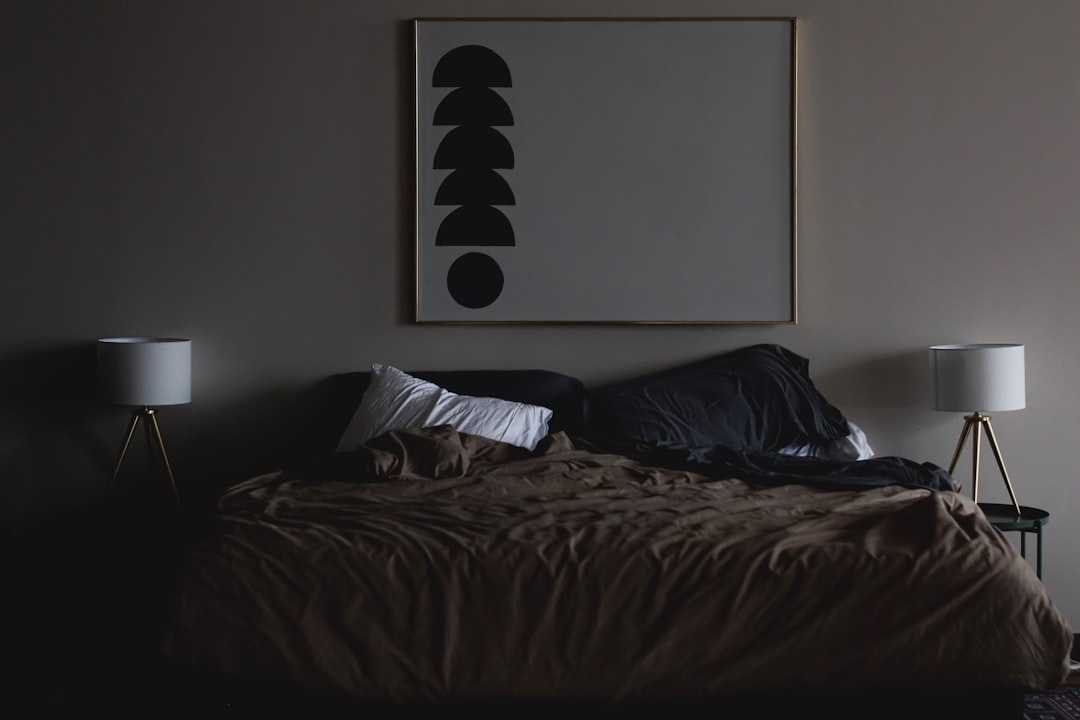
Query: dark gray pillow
column 759, row 397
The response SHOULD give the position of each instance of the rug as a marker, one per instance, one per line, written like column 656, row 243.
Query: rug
column 1062, row 703
column 1059, row 704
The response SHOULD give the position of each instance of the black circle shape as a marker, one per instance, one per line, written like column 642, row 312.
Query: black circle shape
column 474, row 280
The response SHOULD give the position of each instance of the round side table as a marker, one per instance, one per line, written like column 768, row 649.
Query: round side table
column 1031, row 520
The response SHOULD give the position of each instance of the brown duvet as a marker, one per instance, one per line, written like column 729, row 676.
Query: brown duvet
column 443, row 566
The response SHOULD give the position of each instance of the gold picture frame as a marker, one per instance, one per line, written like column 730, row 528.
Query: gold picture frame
column 605, row 170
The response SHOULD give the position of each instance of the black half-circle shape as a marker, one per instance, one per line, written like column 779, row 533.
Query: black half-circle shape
column 474, row 186
column 479, row 225
column 473, row 106
column 471, row 66
column 473, row 146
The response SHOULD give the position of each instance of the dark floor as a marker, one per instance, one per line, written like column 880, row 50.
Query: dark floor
column 84, row 602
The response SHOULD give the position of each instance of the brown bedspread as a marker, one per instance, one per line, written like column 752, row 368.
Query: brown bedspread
column 442, row 566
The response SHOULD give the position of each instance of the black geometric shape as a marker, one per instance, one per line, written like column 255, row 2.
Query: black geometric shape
column 474, row 186
column 474, row 280
column 480, row 225
column 473, row 106
column 473, row 146
column 471, row 66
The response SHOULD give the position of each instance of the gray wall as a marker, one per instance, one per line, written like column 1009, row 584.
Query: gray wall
column 238, row 173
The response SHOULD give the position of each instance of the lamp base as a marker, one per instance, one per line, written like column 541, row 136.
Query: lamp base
column 153, row 437
column 973, row 425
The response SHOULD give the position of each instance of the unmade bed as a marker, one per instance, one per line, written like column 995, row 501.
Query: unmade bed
column 609, row 558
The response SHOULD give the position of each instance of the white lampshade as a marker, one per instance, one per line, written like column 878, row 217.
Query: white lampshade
column 144, row 371
column 978, row 378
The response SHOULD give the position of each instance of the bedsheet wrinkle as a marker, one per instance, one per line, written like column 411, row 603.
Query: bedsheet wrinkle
column 442, row 566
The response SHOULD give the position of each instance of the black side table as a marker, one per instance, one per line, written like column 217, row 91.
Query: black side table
column 1031, row 520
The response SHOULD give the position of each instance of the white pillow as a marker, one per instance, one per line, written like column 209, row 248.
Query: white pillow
column 857, row 438
column 855, row 445
column 395, row 399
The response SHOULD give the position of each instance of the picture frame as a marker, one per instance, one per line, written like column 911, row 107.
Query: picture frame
column 605, row 170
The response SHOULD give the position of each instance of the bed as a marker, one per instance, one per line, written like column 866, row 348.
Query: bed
column 716, row 537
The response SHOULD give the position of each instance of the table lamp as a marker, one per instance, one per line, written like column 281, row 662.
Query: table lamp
column 977, row 379
column 145, row 373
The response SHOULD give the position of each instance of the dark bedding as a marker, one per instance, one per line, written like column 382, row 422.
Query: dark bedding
column 759, row 397
column 434, row 565
column 776, row 469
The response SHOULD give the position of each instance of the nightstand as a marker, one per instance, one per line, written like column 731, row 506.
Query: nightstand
column 1031, row 520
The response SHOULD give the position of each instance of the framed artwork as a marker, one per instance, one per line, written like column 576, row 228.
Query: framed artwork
column 605, row 170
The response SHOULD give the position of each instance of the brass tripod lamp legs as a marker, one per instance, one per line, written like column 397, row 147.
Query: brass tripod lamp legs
column 973, row 425
column 153, row 438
